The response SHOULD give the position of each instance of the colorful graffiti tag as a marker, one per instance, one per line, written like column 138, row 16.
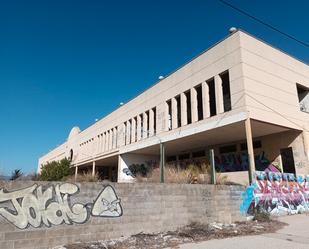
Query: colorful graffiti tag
column 34, row 206
column 239, row 162
column 276, row 194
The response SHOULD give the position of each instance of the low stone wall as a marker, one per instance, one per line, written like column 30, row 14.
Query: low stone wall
column 145, row 208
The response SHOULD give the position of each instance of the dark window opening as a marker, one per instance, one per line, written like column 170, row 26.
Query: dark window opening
column 288, row 163
column 142, row 124
column 189, row 117
column 125, row 133
column 135, row 129
column 171, row 158
column 199, row 102
column 303, row 98
column 184, row 156
column 200, row 153
column 154, row 119
column 228, row 149
column 226, row 91
column 256, row 145
column 212, row 97
column 147, row 123
column 177, row 98
column 169, row 114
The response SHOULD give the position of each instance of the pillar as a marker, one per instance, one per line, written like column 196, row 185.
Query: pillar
column 151, row 123
column 193, row 104
column 93, row 168
column 205, row 96
column 76, row 172
column 128, row 133
column 306, row 141
column 250, row 150
column 183, row 107
column 162, row 162
column 145, row 125
column 219, row 94
column 174, row 113
column 139, row 127
column 133, row 128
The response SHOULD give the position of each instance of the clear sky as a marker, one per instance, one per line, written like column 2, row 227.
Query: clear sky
column 66, row 63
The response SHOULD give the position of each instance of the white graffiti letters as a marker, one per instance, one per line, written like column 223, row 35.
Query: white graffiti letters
column 33, row 206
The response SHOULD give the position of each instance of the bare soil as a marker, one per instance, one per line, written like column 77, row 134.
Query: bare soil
column 192, row 233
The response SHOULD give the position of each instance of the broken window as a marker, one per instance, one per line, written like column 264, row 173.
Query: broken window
column 226, row 91
column 212, row 97
column 188, row 97
column 199, row 102
column 303, row 98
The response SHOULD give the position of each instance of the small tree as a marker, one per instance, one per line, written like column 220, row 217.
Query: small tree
column 55, row 170
column 16, row 174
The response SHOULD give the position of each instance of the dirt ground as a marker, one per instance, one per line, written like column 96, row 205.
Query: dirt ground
column 188, row 234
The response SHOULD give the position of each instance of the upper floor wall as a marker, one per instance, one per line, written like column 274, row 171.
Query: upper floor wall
column 276, row 85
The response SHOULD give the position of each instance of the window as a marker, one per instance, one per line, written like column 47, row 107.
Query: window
column 303, row 98
column 212, row 97
column 199, row 102
column 154, row 119
column 228, row 149
column 256, row 145
column 178, row 111
column 226, row 91
column 169, row 114
column 184, row 156
column 200, row 153
column 188, row 97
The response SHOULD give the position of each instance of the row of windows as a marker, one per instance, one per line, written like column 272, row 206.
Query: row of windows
column 193, row 107
column 142, row 126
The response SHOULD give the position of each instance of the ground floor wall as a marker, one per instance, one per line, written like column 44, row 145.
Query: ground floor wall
column 52, row 214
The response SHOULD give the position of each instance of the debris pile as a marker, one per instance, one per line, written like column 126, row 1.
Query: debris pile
column 192, row 233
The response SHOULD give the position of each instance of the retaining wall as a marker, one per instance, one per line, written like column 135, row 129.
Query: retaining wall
column 145, row 208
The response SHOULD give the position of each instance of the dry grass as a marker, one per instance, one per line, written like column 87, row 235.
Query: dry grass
column 172, row 174
column 84, row 177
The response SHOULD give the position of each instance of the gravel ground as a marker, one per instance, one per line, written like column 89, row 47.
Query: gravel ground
column 188, row 234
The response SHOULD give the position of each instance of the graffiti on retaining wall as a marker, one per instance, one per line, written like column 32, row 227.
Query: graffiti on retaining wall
column 276, row 194
column 34, row 207
column 239, row 162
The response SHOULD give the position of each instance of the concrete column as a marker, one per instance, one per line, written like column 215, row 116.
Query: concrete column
column 205, row 96
column 133, row 128
column 219, row 94
column 162, row 162
column 128, row 132
column 145, row 125
column 183, row 106
column 151, row 123
column 306, row 141
column 174, row 114
column 250, row 150
column 139, row 127
column 102, row 146
column 76, row 172
column 93, row 168
column 114, row 138
column 193, row 104
column 124, row 162
column 106, row 140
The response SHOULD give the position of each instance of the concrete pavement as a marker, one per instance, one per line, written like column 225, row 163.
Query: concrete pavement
column 293, row 236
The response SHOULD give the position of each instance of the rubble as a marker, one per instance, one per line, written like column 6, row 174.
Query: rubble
column 192, row 233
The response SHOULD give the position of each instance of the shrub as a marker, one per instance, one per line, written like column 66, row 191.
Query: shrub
column 140, row 169
column 55, row 170
column 261, row 215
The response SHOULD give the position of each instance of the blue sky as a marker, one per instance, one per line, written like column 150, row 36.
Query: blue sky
column 62, row 62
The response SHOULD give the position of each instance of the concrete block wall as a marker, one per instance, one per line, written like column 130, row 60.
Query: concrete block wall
column 146, row 208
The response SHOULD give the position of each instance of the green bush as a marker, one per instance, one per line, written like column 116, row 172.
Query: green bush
column 55, row 170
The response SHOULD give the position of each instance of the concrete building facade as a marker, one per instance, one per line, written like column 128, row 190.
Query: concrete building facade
column 243, row 98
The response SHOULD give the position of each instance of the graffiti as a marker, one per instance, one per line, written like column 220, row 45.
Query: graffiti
column 239, row 162
column 128, row 172
column 276, row 194
column 34, row 207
